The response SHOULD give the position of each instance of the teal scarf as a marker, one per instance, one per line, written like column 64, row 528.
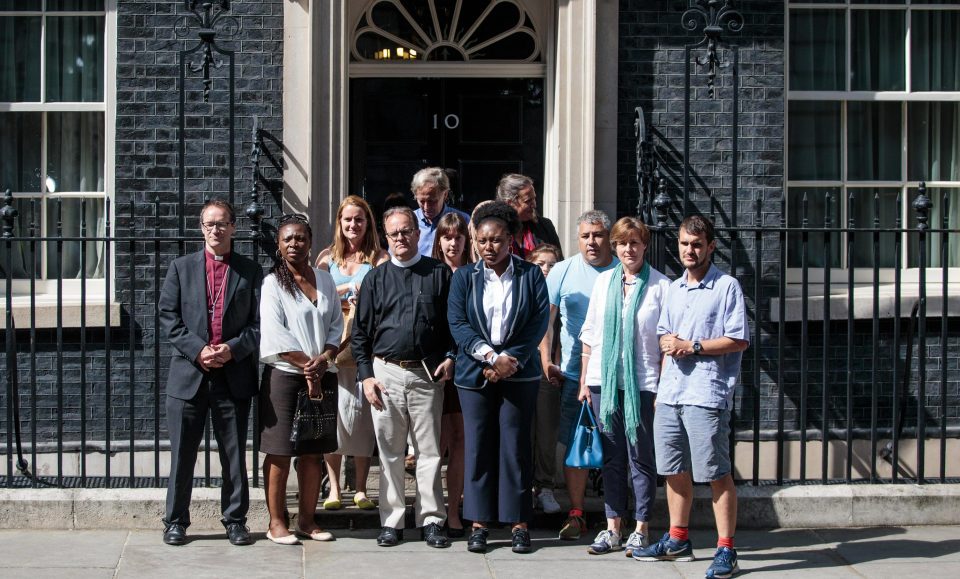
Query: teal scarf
column 618, row 338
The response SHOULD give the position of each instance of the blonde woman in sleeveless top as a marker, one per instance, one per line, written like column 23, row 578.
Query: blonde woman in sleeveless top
column 354, row 252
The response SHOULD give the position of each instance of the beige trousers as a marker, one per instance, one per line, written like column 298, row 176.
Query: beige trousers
column 412, row 406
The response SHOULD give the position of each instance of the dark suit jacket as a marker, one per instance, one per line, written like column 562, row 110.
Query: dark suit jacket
column 468, row 323
column 183, row 319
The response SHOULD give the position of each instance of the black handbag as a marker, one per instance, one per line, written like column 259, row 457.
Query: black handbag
column 316, row 418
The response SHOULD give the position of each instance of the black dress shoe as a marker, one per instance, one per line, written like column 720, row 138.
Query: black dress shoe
column 477, row 542
column 432, row 535
column 175, row 534
column 238, row 534
column 455, row 533
column 389, row 537
column 521, row 540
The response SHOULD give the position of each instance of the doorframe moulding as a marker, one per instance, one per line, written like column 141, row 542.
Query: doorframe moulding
column 579, row 52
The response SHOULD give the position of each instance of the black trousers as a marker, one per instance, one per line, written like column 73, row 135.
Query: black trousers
column 186, row 420
column 498, row 461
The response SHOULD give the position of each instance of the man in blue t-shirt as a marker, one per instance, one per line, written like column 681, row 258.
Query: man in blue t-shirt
column 569, row 286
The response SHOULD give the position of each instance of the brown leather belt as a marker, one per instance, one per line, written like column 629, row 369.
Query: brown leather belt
column 402, row 363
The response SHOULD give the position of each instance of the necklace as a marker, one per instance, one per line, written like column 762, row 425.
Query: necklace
column 356, row 258
column 625, row 282
column 216, row 297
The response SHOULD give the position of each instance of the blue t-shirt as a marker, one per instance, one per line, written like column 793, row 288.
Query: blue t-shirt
column 569, row 285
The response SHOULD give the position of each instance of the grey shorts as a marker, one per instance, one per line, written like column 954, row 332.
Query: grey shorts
column 692, row 438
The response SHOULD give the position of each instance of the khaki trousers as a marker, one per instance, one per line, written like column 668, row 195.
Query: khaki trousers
column 412, row 406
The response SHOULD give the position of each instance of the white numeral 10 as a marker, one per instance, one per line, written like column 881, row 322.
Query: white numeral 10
column 450, row 121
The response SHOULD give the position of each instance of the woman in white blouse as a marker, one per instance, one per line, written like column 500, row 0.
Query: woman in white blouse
column 498, row 311
column 300, row 327
column 619, row 378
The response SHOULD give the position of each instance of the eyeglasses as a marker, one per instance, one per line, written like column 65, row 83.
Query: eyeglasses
column 220, row 225
column 406, row 233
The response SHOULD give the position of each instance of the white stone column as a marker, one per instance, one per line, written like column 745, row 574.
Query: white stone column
column 297, row 90
column 330, row 122
column 581, row 156
column 314, row 112
column 607, row 96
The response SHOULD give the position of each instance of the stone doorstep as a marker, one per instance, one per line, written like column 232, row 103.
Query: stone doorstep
column 759, row 507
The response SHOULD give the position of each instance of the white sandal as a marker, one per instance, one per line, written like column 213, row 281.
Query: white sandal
column 317, row 535
column 286, row 540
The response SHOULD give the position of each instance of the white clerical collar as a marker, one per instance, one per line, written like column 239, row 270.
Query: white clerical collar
column 412, row 262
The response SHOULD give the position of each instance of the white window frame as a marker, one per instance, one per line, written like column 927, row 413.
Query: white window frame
column 46, row 289
column 865, row 275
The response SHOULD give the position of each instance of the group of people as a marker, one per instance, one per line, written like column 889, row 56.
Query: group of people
column 471, row 338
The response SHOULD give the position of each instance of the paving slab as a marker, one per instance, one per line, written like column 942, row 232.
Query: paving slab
column 900, row 570
column 208, row 555
column 32, row 549
column 921, row 545
column 396, row 565
column 57, row 573
column 605, row 566
column 822, row 553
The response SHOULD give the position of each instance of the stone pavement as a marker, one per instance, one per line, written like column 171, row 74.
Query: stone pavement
column 865, row 552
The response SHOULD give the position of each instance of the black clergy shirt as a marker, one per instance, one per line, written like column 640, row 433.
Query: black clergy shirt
column 402, row 314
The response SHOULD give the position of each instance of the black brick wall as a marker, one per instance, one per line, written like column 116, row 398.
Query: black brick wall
column 147, row 108
column 651, row 75
column 147, row 206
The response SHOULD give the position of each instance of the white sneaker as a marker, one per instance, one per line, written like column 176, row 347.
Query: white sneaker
column 635, row 542
column 606, row 542
column 548, row 502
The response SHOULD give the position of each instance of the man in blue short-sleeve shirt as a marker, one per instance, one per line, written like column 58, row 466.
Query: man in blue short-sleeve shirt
column 569, row 286
column 703, row 332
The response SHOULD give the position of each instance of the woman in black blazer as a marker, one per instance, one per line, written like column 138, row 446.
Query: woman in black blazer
column 498, row 312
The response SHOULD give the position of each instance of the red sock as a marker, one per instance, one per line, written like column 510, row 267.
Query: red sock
column 725, row 542
column 678, row 533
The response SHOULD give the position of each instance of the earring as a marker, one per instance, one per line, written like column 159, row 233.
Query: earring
column 279, row 257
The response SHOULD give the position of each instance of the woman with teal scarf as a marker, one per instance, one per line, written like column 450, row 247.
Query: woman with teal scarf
column 619, row 379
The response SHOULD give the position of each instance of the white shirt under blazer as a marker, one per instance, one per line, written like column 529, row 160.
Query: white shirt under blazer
column 288, row 324
column 646, row 344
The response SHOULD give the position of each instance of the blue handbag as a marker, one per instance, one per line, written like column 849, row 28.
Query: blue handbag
column 585, row 449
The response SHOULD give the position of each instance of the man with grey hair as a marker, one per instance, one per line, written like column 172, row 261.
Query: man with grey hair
column 430, row 188
column 569, row 286
column 517, row 191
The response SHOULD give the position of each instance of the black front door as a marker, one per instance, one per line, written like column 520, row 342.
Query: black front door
column 481, row 128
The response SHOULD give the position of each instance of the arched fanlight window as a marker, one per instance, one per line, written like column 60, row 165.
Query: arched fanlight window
column 445, row 30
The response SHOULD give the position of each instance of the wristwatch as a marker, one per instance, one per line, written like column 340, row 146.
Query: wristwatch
column 697, row 347
column 488, row 363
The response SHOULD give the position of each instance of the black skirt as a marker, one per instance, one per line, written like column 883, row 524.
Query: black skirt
column 278, row 402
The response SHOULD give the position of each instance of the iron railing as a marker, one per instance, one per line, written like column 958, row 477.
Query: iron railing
column 77, row 389
column 86, row 392
column 849, row 349
column 90, row 392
